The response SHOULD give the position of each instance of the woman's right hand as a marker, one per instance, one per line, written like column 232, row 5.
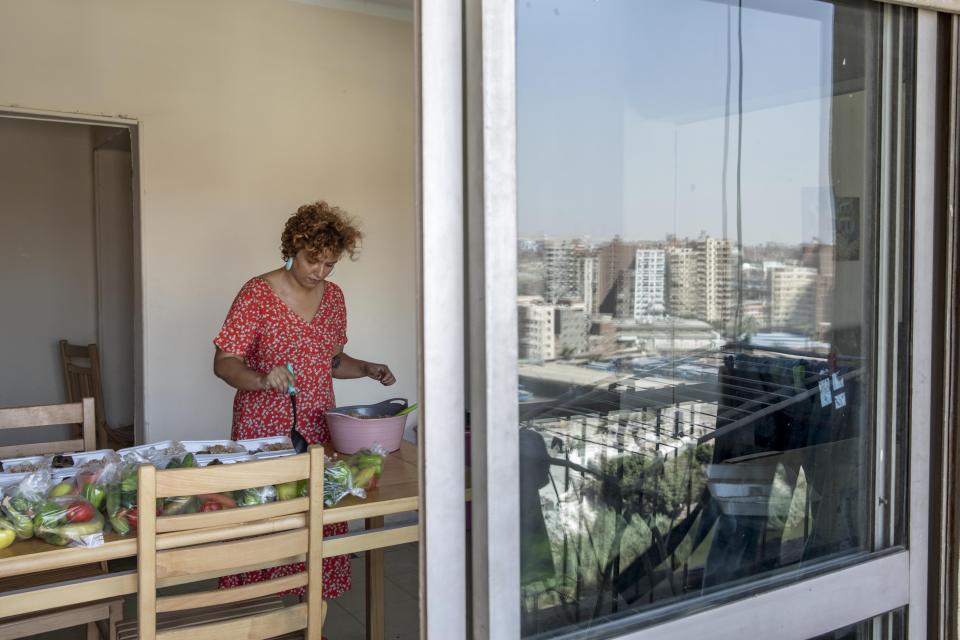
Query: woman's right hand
column 278, row 379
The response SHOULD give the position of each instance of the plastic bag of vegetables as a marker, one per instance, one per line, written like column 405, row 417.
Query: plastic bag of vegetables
column 338, row 482
column 159, row 455
column 21, row 501
column 177, row 505
column 255, row 496
column 68, row 521
column 366, row 466
column 121, row 507
column 121, row 502
column 91, row 481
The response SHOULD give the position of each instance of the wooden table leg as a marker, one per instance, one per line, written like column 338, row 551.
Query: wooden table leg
column 374, row 565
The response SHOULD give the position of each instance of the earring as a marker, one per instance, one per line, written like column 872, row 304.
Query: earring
column 288, row 264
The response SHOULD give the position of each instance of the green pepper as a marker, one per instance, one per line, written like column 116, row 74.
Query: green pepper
column 21, row 504
column 94, row 494
column 128, row 483
column 338, row 472
column 188, row 461
column 256, row 496
column 50, row 515
column 22, row 524
column 248, row 498
column 303, row 488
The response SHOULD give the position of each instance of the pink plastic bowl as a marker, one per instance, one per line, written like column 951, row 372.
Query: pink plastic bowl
column 350, row 434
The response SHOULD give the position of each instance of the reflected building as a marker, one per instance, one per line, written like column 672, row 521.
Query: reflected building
column 587, row 271
column 700, row 279
column 536, row 328
column 718, row 291
column 820, row 257
column 615, row 278
column 682, row 281
column 561, row 269
column 793, row 295
column 571, row 325
column 649, row 283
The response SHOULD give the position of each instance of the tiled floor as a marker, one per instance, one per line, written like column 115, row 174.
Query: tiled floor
column 345, row 615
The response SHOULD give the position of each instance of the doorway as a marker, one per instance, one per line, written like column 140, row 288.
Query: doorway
column 68, row 229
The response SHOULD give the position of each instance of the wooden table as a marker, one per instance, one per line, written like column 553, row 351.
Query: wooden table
column 397, row 492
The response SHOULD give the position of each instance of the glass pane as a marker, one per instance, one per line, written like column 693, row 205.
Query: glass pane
column 890, row 626
column 705, row 288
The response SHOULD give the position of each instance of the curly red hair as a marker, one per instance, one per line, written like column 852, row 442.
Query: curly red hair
column 320, row 228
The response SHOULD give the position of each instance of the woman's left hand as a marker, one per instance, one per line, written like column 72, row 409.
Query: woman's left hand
column 379, row 372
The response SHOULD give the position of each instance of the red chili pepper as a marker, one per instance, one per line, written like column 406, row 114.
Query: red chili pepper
column 132, row 517
column 80, row 512
column 211, row 505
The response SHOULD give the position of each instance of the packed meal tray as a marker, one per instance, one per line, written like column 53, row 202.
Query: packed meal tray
column 209, row 450
column 26, row 464
column 29, row 464
column 268, row 447
column 146, row 451
column 211, row 460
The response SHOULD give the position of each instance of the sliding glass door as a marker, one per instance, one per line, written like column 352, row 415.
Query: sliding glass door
column 697, row 231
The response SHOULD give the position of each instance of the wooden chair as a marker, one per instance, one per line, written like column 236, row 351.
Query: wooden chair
column 182, row 549
column 82, row 375
column 81, row 413
column 108, row 613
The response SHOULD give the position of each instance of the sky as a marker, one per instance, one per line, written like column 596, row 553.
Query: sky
column 621, row 118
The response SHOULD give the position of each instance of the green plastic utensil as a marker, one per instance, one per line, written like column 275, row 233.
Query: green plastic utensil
column 406, row 411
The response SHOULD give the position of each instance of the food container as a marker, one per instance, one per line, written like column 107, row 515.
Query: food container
column 18, row 465
column 202, row 447
column 224, row 459
column 82, row 458
column 195, row 447
column 360, row 426
column 267, row 455
column 164, row 447
column 64, row 473
column 272, row 444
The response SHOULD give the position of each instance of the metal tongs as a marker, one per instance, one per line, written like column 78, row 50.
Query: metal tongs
column 300, row 443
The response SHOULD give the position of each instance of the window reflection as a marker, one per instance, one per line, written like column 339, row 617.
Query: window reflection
column 698, row 286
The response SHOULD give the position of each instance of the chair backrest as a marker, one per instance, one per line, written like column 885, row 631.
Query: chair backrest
column 180, row 549
column 81, row 375
column 81, row 413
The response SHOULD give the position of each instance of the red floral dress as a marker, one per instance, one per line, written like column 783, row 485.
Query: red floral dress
column 262, row 329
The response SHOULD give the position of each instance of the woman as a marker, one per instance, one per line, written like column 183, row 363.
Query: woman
column 293, row 315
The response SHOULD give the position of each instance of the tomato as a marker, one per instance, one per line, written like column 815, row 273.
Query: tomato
column 80, row 512
column 211, row 505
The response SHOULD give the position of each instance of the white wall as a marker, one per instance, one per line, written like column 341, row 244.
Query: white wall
column 47, row 276
column 248, row 108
